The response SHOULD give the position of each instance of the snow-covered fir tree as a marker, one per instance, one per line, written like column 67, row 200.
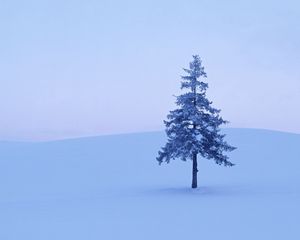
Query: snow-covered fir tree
column 194, row 128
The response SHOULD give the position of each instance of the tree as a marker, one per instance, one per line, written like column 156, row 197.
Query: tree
column 194, row 128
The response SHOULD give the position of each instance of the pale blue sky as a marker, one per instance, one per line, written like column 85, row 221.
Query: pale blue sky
column 77, row 68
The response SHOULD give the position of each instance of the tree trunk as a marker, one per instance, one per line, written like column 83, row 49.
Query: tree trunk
column 195, row 171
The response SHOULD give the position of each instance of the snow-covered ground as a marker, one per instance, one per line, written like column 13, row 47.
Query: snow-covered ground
column 111, row 187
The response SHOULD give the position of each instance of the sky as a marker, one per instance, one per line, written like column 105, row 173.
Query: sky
column 85, row 68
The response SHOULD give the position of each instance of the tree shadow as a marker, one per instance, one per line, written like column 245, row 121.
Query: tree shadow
column 223, row 190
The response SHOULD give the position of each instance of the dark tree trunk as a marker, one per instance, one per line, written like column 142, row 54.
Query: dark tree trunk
column 195, row 171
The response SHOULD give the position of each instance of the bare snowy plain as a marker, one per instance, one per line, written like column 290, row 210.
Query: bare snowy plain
column 111, row 187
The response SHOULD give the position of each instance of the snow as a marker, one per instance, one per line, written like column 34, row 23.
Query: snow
column 111, row 187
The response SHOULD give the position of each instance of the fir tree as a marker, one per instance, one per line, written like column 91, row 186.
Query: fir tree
column 194, row 128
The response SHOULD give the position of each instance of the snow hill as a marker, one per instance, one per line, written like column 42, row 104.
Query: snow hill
column 111, row 187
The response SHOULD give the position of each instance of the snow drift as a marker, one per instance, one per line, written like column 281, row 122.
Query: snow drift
column 111, row 187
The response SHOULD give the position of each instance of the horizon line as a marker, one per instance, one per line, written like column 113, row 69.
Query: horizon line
column 131, row 133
